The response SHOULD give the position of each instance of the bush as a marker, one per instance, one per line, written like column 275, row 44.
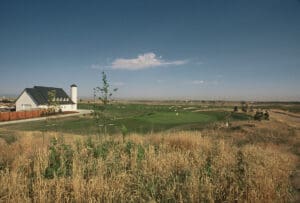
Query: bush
column 9, row 138
column 124, row 131
column 245, row 108
column 235, row 109
column 7, row 101
column 60, row 159
column 251, row 109
column 259, row 115
column 266, row 115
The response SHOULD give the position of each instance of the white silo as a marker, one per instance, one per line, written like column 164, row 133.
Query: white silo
column 74, row 96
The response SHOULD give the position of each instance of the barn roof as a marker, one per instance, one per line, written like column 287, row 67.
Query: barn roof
column 40, row 95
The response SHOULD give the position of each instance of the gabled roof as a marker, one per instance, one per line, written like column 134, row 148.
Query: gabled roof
column 40, row 95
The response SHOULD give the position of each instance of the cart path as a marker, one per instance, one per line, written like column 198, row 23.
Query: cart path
column 293, row 120
column 78, row 113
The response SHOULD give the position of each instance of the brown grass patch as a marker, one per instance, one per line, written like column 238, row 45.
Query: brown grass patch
column 183, row 166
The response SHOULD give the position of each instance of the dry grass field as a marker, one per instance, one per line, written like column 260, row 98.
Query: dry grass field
column 164, row 167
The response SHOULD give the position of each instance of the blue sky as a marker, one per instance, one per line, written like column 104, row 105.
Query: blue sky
column 154, row 49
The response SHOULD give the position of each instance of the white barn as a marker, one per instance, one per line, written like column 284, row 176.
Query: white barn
column 37, row 98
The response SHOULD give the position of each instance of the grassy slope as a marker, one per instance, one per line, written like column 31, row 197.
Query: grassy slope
column 136, row 117
column 250, row 161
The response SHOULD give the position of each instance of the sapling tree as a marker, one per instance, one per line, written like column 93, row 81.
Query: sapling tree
column 103, row 93
column 124, row 131
column 52, row 103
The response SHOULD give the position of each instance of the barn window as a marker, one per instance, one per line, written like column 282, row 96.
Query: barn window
column 26, row 106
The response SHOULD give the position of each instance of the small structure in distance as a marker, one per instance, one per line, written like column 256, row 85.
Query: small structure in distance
column 38, row 98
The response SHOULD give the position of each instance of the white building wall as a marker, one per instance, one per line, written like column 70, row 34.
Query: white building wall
column 67, row 107
column 63, row 107
column 43, row 107
column 25, row 102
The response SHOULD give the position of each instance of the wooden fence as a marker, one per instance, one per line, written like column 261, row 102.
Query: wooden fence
column 11, row 116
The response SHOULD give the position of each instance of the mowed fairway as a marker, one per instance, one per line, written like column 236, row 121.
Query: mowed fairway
column 180, row 118
column 136, row 117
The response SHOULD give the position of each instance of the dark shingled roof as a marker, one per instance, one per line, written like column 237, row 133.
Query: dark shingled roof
column 40, row 95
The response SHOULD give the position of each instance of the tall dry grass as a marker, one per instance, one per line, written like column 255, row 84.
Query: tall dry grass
column 178, row 167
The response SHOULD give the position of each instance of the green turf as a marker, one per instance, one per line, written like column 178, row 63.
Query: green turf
column 136, row 117
column 179, row 118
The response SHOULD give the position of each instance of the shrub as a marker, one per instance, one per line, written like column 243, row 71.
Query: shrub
column 251, row 109
column 259, row 115
column 124, row 131
column 102, row 149
column 266, row 115
column 245, row 108
column 60, row 159
column 9, row 138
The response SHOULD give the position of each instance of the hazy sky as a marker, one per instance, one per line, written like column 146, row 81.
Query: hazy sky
column 202, row 49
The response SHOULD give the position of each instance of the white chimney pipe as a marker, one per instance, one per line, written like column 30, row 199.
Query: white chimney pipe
column 74, row 96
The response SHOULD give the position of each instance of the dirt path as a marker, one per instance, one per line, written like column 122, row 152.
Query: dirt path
column 292, row 120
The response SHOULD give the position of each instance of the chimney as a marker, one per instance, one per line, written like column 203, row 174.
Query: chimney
column 74, row 96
